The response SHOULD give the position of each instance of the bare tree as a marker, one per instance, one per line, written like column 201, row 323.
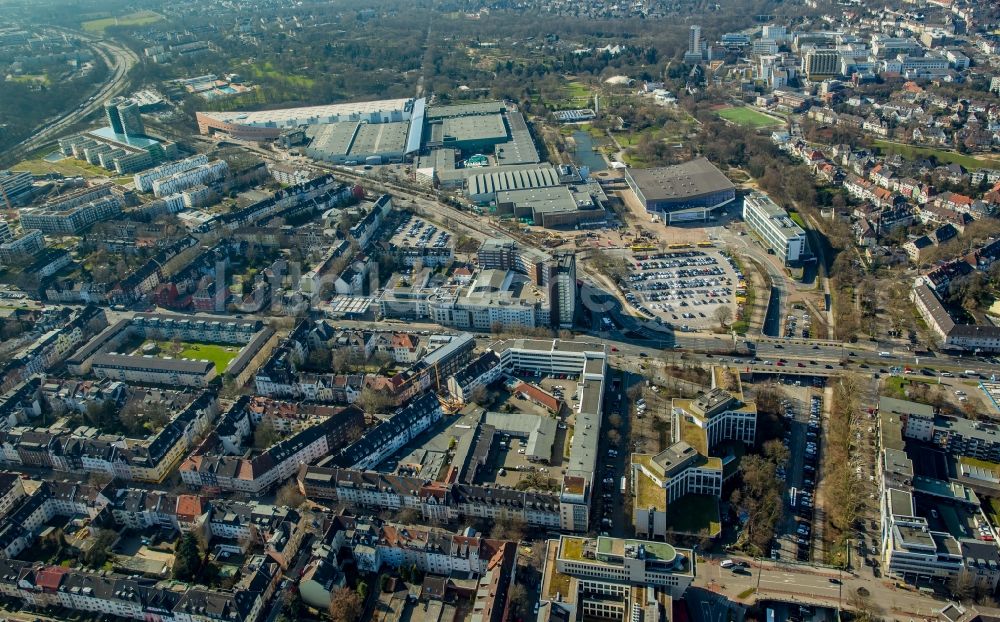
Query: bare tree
column 289, row 495
column 508, row 529
column 480, row 395
column 614, row 437
column 723, row 314
column 265, row 434
column 345, row 605
column 372, row 401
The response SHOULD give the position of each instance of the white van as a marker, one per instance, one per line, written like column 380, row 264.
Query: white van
column 727, row 563
column 885, row 355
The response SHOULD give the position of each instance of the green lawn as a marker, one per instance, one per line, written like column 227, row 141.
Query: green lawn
column 911, row 152
column 70, row 167
column 139, row 18
column 895, row 386
column 572, row 95
column 39, row 78
column 748, row 117
column 692, row 513
column 797, row 219
column 267, row 70
column 219, row 354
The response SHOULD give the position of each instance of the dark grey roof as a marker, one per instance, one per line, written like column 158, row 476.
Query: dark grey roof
column 684, row 181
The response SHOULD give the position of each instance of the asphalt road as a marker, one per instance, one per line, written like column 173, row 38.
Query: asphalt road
column 119, row 60
column 812, row 585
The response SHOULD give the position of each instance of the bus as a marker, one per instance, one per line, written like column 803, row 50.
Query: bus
column 706, row 245
column 679, row 246
column 623, row 484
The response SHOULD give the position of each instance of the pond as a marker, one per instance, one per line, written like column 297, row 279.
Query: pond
column 586, row 154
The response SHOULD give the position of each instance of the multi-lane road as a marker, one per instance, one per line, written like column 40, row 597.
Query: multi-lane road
column 812, row 585
column 119, row 60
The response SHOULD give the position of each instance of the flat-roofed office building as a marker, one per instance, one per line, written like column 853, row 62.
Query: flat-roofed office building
column 774, row 227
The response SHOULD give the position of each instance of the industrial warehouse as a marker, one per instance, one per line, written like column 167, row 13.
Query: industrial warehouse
column 439, row 138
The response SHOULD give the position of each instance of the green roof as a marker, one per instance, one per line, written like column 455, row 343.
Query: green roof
column 693, row 435
column 648, row 494
column 692, row 513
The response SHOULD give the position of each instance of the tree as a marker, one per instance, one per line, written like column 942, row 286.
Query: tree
column 480, row 395
column 372, row 401
column 289, row 495
column 520, row 600
column 187, row 558
column 97, row 554
column 508, row 529
column 416, row 574
column 615, row 420
column 408, row 516
column 776, row 452
column 265, row 434
column 614, row 437
column 723, row 314
column 363, row 590
column 761, row 500
column 345, row 605
column 176, row 346
column 319, row 359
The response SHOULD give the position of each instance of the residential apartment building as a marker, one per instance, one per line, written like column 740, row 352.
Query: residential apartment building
column 434, row 500
column 144, row 180
column 389, row 435
column 483, row 371
column 14, row 184
column 279, row 462
column 951, row 335
column 28, row 245
column 72, row 220
column 183, row 180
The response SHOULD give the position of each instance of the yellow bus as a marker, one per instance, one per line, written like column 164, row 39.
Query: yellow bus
column 679, row 246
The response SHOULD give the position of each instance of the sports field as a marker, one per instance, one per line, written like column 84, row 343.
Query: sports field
column 747, row 117
column 219, row 354
column 139, row 18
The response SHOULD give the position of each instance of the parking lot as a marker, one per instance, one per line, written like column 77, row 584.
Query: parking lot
column 413, row 231
column 802, row 432
column 684, row 288
column 798, row 323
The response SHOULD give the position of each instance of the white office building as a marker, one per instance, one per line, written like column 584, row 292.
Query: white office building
column 772, row 224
